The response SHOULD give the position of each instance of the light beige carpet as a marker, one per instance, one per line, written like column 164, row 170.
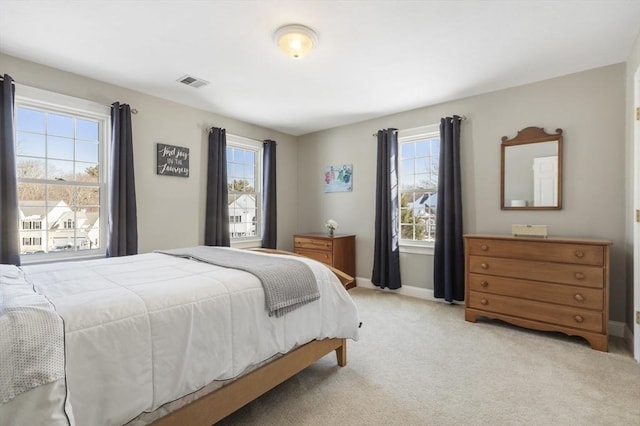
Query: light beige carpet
column 420, row 363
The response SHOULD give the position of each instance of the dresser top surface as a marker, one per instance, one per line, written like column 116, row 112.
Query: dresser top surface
column 322, row 235
column 568, row 240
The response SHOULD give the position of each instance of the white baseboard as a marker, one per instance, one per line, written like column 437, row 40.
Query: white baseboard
column 405, row 290
column 616, row 328
column 628, row 337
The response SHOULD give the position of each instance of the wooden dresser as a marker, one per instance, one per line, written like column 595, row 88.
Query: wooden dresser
column 551, row 284
column 338, row 251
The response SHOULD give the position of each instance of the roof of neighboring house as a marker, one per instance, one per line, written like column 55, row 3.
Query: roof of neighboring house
column 242, row 201
column 35, row 208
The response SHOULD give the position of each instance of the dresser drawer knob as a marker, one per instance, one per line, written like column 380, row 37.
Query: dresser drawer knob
column 578, row 318
column 580, row 254
column 484, row 301
column 484, row 265
column 579, row 297
column 484, row 247
column 484, row 284
column 579, row 276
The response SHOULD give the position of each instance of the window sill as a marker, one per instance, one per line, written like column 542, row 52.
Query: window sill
column 244, row 244
column 416, row 248
column 51, row 258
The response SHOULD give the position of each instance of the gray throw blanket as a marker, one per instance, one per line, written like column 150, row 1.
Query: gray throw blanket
column 288, row 283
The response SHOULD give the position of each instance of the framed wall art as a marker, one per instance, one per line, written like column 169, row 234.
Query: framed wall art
column 172, row 160
column 338, row 178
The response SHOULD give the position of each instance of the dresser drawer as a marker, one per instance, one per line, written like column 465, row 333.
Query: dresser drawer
column 583, row 254
column 582, row 319
column 313, row 243
column 579, row 275
column 582, row 297
column 319, row 255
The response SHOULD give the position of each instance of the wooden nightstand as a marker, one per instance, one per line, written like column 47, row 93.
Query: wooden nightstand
column 338, row 251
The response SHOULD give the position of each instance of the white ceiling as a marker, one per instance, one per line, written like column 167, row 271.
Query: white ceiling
column 374, row 57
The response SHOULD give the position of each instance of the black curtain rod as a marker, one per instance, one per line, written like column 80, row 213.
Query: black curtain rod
column 461, row 118
column 231, row 134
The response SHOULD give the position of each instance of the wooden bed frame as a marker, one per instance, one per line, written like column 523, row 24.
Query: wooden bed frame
column 229, row 398
column 220, row 403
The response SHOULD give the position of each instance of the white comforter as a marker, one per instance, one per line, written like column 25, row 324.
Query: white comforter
column 144, row 330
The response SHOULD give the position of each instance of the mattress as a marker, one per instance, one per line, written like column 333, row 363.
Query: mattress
column 141, row 331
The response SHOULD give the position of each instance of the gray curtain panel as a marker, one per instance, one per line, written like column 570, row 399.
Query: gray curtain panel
column 216, row 228
column 122, row 236
column 9, row 238
column 386, row 261
column 448, row 268
column 269, row 203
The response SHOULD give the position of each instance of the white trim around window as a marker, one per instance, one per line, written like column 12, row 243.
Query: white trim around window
column 235, row 141
column 39, row 99
column 408, row 135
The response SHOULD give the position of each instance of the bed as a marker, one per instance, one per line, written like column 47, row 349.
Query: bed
column 162, row 338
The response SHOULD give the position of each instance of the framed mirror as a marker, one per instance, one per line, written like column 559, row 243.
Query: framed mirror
column 531, row 170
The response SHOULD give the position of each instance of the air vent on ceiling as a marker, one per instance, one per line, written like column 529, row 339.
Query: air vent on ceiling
column 192, row 81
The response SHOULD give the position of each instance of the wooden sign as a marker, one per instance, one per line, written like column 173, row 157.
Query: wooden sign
column 172, row 160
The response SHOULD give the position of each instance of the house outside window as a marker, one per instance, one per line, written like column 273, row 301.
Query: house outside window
column 244, row 180
column 61, row 167
column 419, row 156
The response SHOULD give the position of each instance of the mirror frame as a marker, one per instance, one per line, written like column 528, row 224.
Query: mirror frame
column 531, row 135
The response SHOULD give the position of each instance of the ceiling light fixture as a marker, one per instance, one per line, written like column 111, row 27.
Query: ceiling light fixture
column 296, row 41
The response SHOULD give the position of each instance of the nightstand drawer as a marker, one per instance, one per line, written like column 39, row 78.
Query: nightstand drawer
column 313, row 243
column 319, row 255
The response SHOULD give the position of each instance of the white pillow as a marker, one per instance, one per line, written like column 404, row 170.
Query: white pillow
column 11, row 274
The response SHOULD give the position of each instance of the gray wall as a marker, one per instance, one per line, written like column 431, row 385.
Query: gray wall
column 170, row 209
column 588, row 106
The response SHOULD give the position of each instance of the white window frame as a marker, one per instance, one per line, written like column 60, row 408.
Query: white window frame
column 411, row 135
column 31, row 97
column 234, row 141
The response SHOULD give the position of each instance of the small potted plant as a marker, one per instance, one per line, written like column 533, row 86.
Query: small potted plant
column 331, row 225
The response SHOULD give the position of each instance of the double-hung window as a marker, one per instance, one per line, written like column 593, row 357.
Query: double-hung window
column 61, row 167
column 244, row 180
column 419, row 155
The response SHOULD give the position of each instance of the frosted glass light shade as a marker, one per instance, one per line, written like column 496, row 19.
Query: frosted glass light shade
column 296, row 41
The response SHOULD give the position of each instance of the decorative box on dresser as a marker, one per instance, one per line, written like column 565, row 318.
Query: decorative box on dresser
column 550, row 284
column 338, row 251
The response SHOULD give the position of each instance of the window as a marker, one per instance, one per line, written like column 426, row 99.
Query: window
column 29, row 224
column 419, row 155
column 61, row 167
column 31, row 241
column 244, row 179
